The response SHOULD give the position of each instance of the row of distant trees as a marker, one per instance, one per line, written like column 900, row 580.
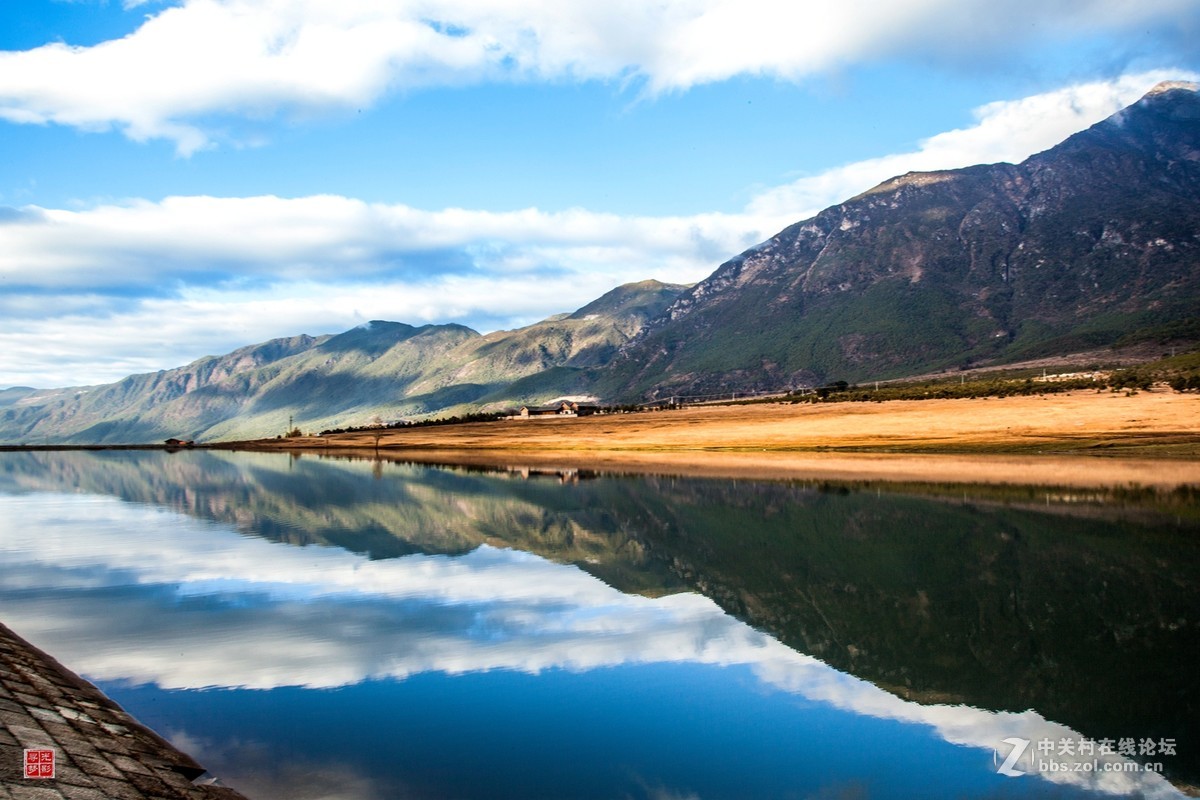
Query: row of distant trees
column 1186, row 383
column 457, row 419
column 1119, row 380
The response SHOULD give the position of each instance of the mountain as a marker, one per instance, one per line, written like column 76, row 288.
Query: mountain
column 1076, row 247
column 136, row 408
column 15, row 394
column 377, row 371
column 1093, row 242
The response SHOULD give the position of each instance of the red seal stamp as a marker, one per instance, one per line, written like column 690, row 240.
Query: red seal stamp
column 39, row 763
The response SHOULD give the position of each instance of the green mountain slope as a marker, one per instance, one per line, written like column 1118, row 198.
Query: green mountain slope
column 1074, row 248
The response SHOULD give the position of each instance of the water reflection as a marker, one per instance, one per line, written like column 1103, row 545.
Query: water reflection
column 942, row 601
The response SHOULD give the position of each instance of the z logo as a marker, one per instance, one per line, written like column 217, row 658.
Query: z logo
column 1018, row 750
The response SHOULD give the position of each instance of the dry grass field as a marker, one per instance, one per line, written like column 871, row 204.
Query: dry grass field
column 1049, row 439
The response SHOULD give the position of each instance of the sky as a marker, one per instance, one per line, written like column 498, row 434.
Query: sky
column 179, row 178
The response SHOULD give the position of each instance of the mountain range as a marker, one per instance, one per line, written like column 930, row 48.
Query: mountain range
column 1093, row 242
column 377, row 372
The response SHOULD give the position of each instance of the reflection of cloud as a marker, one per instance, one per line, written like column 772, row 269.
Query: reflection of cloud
column 261, row 774
column 961, row 725
column 660, row 792
column 144, row 595
column 331, row 617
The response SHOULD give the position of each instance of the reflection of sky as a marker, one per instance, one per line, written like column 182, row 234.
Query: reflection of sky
column 132, row 594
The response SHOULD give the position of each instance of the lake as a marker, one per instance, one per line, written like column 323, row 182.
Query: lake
column 337, row 628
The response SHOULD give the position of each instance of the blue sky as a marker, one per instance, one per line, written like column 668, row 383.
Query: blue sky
column 182, row 178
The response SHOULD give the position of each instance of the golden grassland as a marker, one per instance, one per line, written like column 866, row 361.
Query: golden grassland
column 1048, row 439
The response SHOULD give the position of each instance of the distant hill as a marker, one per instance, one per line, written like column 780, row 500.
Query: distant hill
column 1093, row 241
column 378, row 371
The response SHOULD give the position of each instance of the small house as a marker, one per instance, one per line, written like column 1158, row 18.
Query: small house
column 584, row 409
column 559, row 408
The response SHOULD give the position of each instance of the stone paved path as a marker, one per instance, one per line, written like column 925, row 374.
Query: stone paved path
column 99, row 750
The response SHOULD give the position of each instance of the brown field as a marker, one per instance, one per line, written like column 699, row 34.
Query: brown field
column 1051, row 439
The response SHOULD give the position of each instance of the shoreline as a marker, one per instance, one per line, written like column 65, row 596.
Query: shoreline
column 1074, row 439
column 1084, row 472
column 1081, row 438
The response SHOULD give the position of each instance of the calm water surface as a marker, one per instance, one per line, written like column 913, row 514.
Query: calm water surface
column 312, row 628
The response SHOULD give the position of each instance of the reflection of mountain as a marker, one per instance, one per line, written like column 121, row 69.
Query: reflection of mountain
column 308, row 501
column 1092, row 621
column 133, row 594
column 1088, row 622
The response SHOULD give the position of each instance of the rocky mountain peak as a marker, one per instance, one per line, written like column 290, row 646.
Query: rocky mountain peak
column 1170, row 86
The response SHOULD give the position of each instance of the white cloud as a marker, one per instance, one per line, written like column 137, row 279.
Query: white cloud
column 309, row 237
column 98, row 294
column 261, row 58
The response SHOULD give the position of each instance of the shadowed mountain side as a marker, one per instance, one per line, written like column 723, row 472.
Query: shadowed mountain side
column 374, row 338
column 557, row 356
column 10, row 396
column 587, row 338
column 1077, row 247
column 555, row 381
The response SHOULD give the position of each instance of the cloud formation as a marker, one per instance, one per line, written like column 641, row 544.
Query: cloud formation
column 306, row 238
column 259, row 59
column 97, row 294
